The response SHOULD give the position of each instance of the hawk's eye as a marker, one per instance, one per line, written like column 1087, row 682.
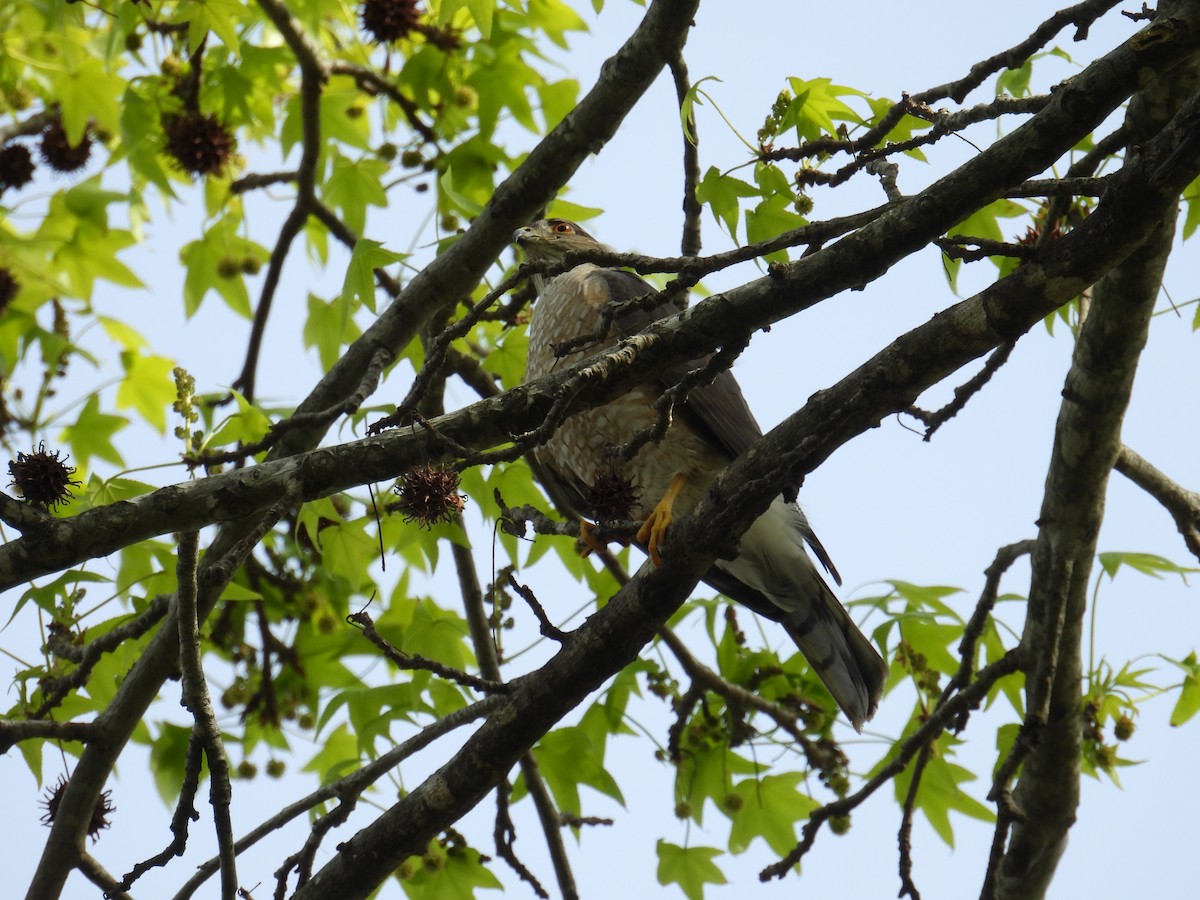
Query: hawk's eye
column 562, row 228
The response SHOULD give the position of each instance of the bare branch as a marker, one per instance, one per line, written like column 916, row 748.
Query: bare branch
column 417, row 662
column 199, row 704
column 1086, row 447
column 13, row 731
column 1182, row 504
column 964, row 393
column 929, row 731
column 349, row 786
column 689, row 244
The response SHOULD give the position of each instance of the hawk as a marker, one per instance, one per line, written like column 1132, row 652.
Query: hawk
column 772, row 574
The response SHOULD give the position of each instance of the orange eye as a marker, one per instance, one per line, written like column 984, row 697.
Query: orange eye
column 562, row 228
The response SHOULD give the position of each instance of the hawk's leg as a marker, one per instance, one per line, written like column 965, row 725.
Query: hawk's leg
column 654, row 529
column 588, row 542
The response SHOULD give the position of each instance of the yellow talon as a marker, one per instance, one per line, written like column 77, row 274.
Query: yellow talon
column 654, row 529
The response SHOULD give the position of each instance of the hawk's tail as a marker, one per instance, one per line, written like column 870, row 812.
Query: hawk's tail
column 775, row 576
column 845, row 661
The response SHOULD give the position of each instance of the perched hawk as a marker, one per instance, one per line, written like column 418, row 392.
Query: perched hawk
column 773, row 574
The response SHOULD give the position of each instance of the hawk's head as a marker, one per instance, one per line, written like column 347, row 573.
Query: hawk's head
column 552, row 239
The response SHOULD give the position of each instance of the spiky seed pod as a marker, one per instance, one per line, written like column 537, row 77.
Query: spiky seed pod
column 428, row 495
column 16, row 166
column 388, row 21
column 100, row 813
column 57, row 151
column 42, row 478
column 9, row 286
column 198, row 143
column 612, row 497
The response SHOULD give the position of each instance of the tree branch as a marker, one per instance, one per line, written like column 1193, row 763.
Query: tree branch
column 1182, row 504
column 1086, row 446
column 199, row 704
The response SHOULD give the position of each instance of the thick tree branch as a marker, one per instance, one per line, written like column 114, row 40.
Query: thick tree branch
column 1137, row 198
column 1086, row 446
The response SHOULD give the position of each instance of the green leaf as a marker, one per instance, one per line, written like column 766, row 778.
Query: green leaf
column 558, row 98
column 448, row 873
column 115, row 490
column 939, row 793
column 248, row 424
column 565, row 209
column 507, row 358
column 91, row 434
column 218, row 262
column 348, row 550
column 933, row 641
column 1188, row 703
column 689, row 867
column 706, row 773
column 338, row 755
column 354, row 185
column 555, row 18
column 1146, row 563
column 148, row 387
column 328, row 329
column 687, row 115
column 422, row 627
column 1191, row 200
column 817, row 106
column 769, row 808
column 359, row 285
column 569, row 757
column 721, row 193
column 482, row 12
column 218, row 16
column 771, row 218
column 86, row 91
column 129, row 339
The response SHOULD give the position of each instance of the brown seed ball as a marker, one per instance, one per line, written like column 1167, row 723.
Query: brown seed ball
column 198, row 143
column 388, row 21
column 16, row 166
column 57, row 151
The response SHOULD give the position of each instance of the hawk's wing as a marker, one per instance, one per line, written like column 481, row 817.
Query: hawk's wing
column 717, row 410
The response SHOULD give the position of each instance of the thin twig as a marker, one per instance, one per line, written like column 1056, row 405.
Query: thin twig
column 933, row 726
column 904, row 838
column 689, row 243
column 963, row 393
column 185, row 811
column 420, row 663
column 505, row 836
column 545, row 626
column 198, row 702
column 349, row 786
column 55, row 691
